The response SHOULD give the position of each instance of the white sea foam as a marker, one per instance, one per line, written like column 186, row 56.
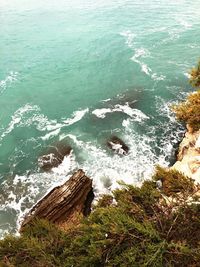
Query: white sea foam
column 30, row 115
column 172, row 131
column 157, row 77
column 129, row 37
column 144, row 53
column 77, row 116
column 141, row 53
column 135, row 114
column 145, row 68
column 106, row 100
column 106, row 171
column 101, row 112
column 17, row 118
column 52, row 125
column 12, row 76
column 23, row 191
column 67, row 164
column 51, row 134
column 126, row 123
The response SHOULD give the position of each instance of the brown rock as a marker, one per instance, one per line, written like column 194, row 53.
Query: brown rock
column 64, row 203
column 54, row 156
column 117, row 145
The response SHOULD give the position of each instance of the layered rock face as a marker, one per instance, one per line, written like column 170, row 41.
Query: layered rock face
column 188, row 159
column 65, row 203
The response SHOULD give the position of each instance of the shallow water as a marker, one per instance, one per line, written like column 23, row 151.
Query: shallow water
column 79, row 72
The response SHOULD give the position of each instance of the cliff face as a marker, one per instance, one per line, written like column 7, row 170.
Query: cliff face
column 188, row 160
column 65, row 203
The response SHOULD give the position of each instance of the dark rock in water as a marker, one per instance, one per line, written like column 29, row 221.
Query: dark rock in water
column 65, row 203
column 46, row 162
column 117, row 145
column 54, row 156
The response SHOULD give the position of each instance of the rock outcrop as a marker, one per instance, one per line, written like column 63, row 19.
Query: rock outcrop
column 117, row 145
column 188, row 159
column 65, row 203
column 54, row 156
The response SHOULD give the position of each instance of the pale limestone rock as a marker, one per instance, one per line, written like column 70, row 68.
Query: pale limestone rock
column 188, row 160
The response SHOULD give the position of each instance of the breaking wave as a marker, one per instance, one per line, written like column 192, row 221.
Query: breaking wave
column 135, row 114
column 30, row 115
column 21, row 192
column 140, row 54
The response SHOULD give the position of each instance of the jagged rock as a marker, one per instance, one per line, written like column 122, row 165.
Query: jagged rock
column 188, row 159
column 64, row 202
column 117, row 145
column 54, row 156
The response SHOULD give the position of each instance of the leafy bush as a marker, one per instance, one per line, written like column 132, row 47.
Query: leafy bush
column 195, row 76
column 173, row 182
column 136, row 226
column 189, row 111
column 41, row 245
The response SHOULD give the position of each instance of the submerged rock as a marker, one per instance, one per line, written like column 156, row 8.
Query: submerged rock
column 117, row 145
column 54, row 156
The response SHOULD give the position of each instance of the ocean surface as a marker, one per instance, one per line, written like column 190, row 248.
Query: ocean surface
column 80, row 71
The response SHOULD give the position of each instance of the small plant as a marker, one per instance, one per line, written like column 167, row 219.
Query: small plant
column 195, row 76
column 189, row 110
column 173, row 182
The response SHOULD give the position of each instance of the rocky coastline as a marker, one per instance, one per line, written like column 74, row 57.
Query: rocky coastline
column 68, row 203
column 132, row 225
column 188, row 157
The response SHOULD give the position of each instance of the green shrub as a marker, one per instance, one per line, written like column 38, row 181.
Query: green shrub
column 41, row 245
column 135, row 226
column 173, row 182
column 195, row 76
column 189, row 110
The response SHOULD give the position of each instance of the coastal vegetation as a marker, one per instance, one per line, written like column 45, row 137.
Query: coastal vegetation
column 189, row 110
column 195, row 76
column 156, row 224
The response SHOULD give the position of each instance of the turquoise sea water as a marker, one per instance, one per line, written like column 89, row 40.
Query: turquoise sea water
column 80, row 71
